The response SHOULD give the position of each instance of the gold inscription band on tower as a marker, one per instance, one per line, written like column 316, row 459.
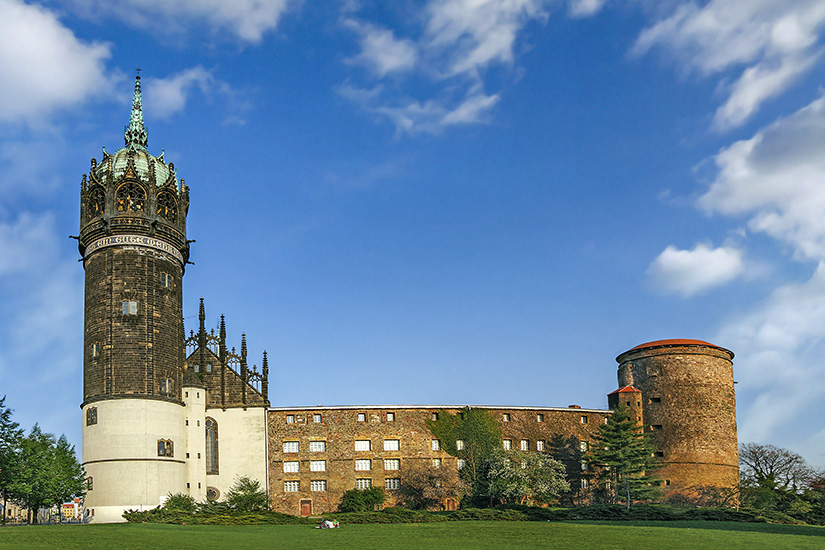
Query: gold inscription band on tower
column 133, row 240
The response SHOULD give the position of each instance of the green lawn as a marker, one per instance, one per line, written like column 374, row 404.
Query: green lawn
column 520, row 535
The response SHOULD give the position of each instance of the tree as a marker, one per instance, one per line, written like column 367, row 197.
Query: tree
column 774, row 468
column 424, row 486
column 626, row 458
column 68, row 476
column 36, row 483
column 480, row 436
column 521, row 477
column 363, row 500
column 247, row 495
column 10, row 435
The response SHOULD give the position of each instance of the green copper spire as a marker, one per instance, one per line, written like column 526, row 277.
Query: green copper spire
column 135, row 134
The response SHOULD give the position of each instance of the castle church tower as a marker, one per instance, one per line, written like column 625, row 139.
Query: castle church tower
column 134, row 249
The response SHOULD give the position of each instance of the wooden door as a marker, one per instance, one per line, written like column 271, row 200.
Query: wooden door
column 306, row 508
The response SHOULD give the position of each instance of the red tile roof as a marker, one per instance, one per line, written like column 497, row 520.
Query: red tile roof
column 626, row 389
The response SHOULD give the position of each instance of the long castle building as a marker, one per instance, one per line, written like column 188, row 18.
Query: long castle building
column 167, row 413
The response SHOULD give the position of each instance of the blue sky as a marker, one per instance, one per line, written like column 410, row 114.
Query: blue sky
column 444, row 201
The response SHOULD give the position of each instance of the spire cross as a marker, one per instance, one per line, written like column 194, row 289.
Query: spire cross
column 135, row 133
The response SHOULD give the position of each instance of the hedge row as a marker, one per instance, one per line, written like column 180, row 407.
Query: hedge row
column 603, row 512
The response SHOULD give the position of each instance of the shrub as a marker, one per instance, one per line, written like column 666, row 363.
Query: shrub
column 180, row 503
column 247, row 495
column 366, row 500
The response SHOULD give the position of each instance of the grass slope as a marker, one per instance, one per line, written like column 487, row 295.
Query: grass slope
column 447, row 535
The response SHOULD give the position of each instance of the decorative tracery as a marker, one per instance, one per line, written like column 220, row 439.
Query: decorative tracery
column 96, row 203
column 130, row 198
column 168, row 207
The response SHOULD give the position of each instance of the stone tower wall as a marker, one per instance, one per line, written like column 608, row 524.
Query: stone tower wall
column 129, row 355
column 689, row 411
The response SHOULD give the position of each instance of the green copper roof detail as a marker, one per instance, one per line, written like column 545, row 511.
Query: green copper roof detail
column 135, row 134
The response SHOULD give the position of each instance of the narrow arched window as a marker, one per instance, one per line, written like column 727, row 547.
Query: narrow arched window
column 211, row 446
column 167, row 207
column 130, row 198
column 96, row 203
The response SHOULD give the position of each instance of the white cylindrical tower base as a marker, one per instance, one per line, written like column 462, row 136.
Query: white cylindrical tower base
column 133, row 454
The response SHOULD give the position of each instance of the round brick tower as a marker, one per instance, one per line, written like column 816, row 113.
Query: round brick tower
column 688, row 408
column 134, row 249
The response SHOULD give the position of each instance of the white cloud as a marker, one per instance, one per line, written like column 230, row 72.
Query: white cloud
column 779, row 347
column 776, row 179
column 41, row 315
column 44, row 66
column 688, row 272
column 165, row 97
column 452, row 49
column 772, row 43
column 248, row 20
column 472, row 33
column 585, row 8
column 381, row 51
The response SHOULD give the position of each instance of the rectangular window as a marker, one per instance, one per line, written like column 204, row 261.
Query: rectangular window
column 129, row 307
column 436, row 463
column 290, row 419
column 96, row 349
column 165, row 448
column 539, row 417
column 392, row 483
column 91, row 416
column 363, row 464
column 318, row 485
column 507, row 444
column 525, row 445
column 292, row 486
column 539, row 445
column 584, row 419
column 585, row 466
column 392, row 444
column 317, row 446
column 584, row 446
column 317, row 465
column 362, row 483
column 390, row 417
column 290, row 446
column 362, row 417
column 392, row 464
column 434, row 416
column 317, row 419
column 165, row 280
column 585, row 483
column 436, row 445
column 291, row 466
column 362, row 445
column 459, row 444
column 506, row 417
column 165, row 385
column 460, row 463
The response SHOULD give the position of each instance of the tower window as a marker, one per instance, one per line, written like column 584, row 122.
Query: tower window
column 95, row 349
column 165, row 448
column 130, row 198
column 91, row 416
column 129, row 307
column 97, row 202
column 211, row 446
column 168, row 207
column 90, row 483
column 166, row 385
column 165, row 280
